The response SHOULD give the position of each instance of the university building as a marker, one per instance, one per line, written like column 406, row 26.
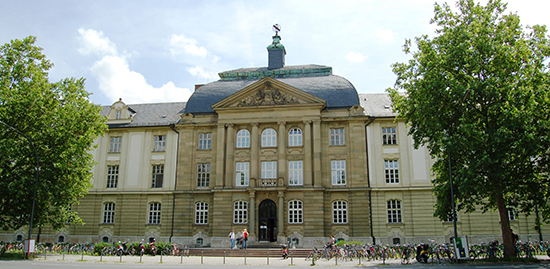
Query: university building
column 286, row 152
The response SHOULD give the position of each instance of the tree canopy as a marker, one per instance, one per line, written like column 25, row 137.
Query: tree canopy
column 61, row 122
column 478, row 93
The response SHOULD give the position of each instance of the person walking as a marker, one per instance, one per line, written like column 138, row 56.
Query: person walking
column 245, row 239
column 232, row 238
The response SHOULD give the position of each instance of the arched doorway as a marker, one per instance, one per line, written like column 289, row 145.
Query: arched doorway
column 267, row 221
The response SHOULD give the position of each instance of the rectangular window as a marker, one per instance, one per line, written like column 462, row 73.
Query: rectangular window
column 109, row 213
column 201, row 213
column 394, row 211
column 337, row 137
column 240, row 212
column 340, row 212
column 269, row 170
column 203, row 175
column 242, row 170
column 511, row 214
column 391, row 168
column 160, row 143
column 389, row 136
column 154, row 213
column 295, row 173
column 338, row 169
column 112, row 176
column 116, row 142
column 295, row 212
column 157, row 176
column 205, row 141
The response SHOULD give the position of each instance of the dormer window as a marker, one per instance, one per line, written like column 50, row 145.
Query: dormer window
column 118, row 114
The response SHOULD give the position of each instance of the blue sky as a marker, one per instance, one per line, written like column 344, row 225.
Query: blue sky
column 156, row 51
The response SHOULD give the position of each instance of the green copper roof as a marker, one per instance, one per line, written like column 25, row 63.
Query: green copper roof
column 285, row 72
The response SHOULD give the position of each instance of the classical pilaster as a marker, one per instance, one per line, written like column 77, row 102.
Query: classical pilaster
column 281, row 148
column 254, row 151
column 220, row 155
column 252, row 216
column 281, row 215
column 229, row 156
column 317, row 180
column 307, row 154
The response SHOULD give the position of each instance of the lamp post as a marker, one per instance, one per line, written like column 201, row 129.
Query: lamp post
column 36, row 179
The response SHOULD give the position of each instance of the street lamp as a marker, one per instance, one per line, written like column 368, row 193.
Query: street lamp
column 35, row 181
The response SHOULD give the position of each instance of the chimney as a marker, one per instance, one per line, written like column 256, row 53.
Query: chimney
column 276, row 52
column 198, row 86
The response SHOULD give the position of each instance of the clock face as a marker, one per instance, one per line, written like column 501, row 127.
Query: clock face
column 276, row 28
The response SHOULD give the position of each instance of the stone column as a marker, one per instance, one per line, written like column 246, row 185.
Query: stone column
column 281, row 216
column 307, row 154
column 281, row 148
column 317, row 180
column 229, row 156
column 252, row 212
column 254, row 151
column 220, row 155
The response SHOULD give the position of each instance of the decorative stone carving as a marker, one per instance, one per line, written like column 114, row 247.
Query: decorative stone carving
column 357, row 111
column 268, row 96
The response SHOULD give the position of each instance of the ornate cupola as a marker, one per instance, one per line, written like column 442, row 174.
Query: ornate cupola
column 276, row 51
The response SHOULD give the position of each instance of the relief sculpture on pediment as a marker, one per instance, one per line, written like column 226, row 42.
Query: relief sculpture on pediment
column 268, row 96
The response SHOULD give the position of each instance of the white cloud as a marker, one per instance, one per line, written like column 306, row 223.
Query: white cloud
column 198, row 71
column 180, row 44
column 385, row 34
column 92, row 41
column 355, row 57
column 115, row 78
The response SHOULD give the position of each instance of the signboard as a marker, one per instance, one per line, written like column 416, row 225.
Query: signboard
column 461, row 248
column 29, row 246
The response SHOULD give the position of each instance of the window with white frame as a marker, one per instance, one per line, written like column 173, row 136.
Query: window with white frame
column 337, row 137
column 118, row 114
column 295, row 212
column 159, row 143
column 389, row 136
column 112, row 176
column 339, row 212
column 203, row 174
column 511, row 214
column 201, row 213
column 391, row 168
column 157, row 176
column 243, row 139
column 295, row 173
column 154, row 213
column 394, row 211
column 240, row 212
column 242, row 173
column 205, row 141
column 338, row 169
column 269, row 138
column 109, row 213
column 295, row 137
column 116, row 142
column 269, row 170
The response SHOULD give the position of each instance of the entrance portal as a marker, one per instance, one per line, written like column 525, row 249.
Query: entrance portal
column 267, row 221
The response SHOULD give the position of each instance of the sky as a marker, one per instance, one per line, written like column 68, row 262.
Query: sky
column 157, row 51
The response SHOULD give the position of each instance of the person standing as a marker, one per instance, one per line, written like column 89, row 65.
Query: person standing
column 232, row 238
column 245, row 239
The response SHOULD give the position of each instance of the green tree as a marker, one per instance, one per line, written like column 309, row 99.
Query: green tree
column 62, row 123
column 478, row 93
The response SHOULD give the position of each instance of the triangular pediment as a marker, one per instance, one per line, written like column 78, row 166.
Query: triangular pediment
column 269, row 92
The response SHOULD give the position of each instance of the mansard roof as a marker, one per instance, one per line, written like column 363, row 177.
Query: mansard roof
column 156, row 114
column 313, row 79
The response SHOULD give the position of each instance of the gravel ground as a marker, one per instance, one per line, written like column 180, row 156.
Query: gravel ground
column 197, row 260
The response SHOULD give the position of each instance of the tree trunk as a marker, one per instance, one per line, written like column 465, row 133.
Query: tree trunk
column 509, row 248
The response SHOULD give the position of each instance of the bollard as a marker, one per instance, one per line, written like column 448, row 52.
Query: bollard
column 82, row 256
column 359, row 259
column 245, row 257
column 224, row 256
column 336, row 259
column 268, row 258
column 140, row 256
column 101, row 256
column 291, row 258
column 63, row 255
column 121, row 257
column 45, row 254
column 202, row 256
column 161, row 257
column 181, row 256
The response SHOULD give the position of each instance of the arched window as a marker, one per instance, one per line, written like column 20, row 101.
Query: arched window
column 243, row 139
column 105, row 239
column 154, row 213
column 240, row 212
column 340, row 212
column 295, row 212
column 61, row 239
column 295, row 137
column 200, row 241
column 394, row 211
column 269, row 138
